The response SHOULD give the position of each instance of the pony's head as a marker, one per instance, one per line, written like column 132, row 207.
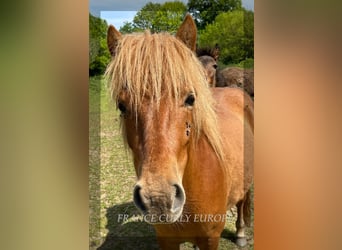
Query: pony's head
column 166, row 106
column 210, row 67
column 208, row 57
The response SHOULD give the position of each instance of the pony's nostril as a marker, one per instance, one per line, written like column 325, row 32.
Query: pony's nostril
column 178, row 190
column 138, row 199
column 179, row 197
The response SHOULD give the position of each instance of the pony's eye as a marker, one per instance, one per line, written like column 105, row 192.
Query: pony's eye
column 122, row 107
column 215, row 66
column 189, row 101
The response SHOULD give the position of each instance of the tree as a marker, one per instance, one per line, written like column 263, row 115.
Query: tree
column 205, row 11
column 145, row 17
column 98, row 53
column 169, row 17
column 234, row 33
column 157, row 17
column 127, row 28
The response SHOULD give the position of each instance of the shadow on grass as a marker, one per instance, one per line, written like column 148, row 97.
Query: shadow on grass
column 132, row 233
column 229, row 235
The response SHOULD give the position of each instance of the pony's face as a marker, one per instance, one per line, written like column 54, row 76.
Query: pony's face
column 159, row 138
column 210, row 67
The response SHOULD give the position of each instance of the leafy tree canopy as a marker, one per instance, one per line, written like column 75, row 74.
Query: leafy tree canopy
column 234, row 33
column 157, row 17
column 205, row 11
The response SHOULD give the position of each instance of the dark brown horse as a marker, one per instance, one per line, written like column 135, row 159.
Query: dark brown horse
column 236, row 77
column 208, row 57
column 192, row 145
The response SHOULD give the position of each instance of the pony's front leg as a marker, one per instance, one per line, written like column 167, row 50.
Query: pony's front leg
column 241, row 240
column 243, row 218
column 166, row 243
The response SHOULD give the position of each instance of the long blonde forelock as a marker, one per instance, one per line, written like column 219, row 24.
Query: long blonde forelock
column 161, row 66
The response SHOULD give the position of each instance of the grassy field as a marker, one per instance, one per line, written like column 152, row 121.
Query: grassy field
column 111, row 181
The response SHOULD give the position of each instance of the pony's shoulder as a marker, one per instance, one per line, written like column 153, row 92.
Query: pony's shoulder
column 234, row 102
column 235, row 96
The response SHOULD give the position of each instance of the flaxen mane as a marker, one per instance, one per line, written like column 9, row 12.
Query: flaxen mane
column 161, row 66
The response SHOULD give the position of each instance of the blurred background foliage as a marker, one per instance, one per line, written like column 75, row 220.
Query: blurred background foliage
column 98, row 52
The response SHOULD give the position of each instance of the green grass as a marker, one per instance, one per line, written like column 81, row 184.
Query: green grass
column 111, row 181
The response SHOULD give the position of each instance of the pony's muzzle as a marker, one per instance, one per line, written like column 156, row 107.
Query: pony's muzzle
column 164, row 206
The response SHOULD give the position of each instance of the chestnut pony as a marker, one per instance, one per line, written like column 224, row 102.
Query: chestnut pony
column 192, row 145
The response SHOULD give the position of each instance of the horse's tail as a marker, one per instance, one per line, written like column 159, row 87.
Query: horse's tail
column 247, row 208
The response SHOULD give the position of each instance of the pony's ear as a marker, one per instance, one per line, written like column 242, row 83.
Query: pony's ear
column 216, row 52
column 113, row 37
column 187, row 32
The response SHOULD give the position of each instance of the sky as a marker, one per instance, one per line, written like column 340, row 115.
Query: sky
column 117, row 12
